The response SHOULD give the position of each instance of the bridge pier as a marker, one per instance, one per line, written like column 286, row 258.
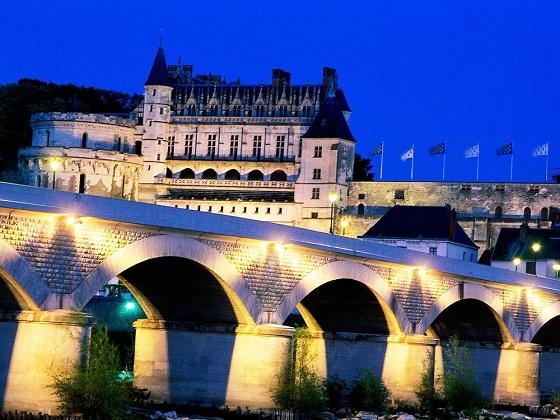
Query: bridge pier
column 210, row 364
column 35, row 346
column 508, row 372
column 398, row 360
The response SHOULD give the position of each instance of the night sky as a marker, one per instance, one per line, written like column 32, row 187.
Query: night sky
column 414, row 72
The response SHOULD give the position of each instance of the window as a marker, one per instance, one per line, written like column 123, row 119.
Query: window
column 212, row 110
column 282, row 111
column 464, row 256
column 257, row 144
column 256, row 210
column 234, row 145
column 186, row 173
column 433, row 250
column 361, row 196
column 260, row 111
column 399, row 194
column 498, row 212
column 544, row 213
column 500, row 188
column 170, row 147
column 344, row 151
column 255, row 175
column 168, row 173
column 314, row 215
column 316, row 174
column 232, row 209
column 306, row 111
column 233, row 175
column 236, row 110
column 280, row 210
column 268, row 210
column 531, row 267
column 48, row 137
column 315, row 193
column 466, row 187
column 154, row 92
column 159, row 141
column 151, row 108
column 158, row 157
column 188, row 144
column 190, row 110
column 244, row 209
column 209, row 174
column 280, row 144
column 278, row 175
column 211, row 145
column 210, row 208
column 221, row 209
column 527, row 213
column 318, row 152
column 82, row 187
column 84, row 140
column 533, row 188
column 160, row 110
column 361, row 209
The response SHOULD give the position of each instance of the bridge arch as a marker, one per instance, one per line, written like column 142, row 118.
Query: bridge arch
column 23, row 283
column 348, row 270
column 181, row 247
column 546, row 315
column 480, row 293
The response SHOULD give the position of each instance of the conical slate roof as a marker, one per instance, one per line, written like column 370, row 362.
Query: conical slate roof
column 330, row 122
column 158, row 73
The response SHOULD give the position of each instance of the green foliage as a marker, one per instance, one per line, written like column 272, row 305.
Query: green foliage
column 429, row 397
column 362, row 168
column 460, row 387
column 300, row 387
column 369, row 393
column 28, row 96
column 93, row 389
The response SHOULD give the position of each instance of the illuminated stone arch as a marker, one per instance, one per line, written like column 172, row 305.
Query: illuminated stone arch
column 26, row 286
column 233, row 283
column 548, row 313
column 392, row 308
column 509, row 330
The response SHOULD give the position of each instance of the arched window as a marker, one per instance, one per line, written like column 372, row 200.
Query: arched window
column 544, row 213
column 361, row 209
column 255, row 176
column 84, row 140
column 278, row 176
column 82, row 186
column 209, row 174
column 527, row 213
column 168, row 173
column 119, row 144
column 233, row 174
column 498, row 212
column 187, row 173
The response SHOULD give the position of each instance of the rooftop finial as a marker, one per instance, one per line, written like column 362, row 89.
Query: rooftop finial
column 160, row 37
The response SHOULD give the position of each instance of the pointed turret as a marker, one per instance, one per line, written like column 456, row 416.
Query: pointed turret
column 158, row 74
column 330, row 122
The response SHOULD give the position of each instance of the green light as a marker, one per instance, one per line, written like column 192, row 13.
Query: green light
column 130, row 306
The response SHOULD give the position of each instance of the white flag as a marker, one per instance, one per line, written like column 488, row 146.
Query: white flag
column 541, row 150
column 408, row 154
column 472, row 151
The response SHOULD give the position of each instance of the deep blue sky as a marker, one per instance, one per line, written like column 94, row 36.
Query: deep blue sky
column 414, row 72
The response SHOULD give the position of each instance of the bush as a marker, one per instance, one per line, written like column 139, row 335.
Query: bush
column 93, row 389
column 460, row 388
column 369, row 393
column 337, row 392
column 300, row 386
column 429, row 397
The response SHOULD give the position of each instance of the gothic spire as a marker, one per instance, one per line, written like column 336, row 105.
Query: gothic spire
column 158, row 74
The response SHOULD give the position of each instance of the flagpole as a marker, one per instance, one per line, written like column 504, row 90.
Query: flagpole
column 546, row 168
column 382, row 151
column 511, row 168
column 444, row 153
column 412, row 164
column 477, row 162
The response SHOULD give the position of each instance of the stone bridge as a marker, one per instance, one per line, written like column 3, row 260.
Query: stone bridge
column 217, row 292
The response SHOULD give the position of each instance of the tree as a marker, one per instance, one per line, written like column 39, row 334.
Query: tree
column 300, row 387
column 369, row 393
column 362, row 168
column 94, row 389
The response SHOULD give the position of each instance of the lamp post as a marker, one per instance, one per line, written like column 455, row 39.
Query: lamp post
column 332, row 198
column 556, row 267
column 344, row 224
column 516, row 261
column 536, row 248
column 54, row 166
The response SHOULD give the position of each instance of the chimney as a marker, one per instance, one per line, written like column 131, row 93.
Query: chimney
column 279, row 77
column 329, row 75
column 452, row 223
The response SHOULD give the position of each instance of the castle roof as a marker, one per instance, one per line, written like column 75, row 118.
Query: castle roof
column 420, row 222
column 517, row 243
column 330, row 121
column 158, row 74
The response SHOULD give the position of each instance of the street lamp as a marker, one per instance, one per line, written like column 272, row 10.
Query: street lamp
column 344, row 224
column 556, row 267
column 516, row 261
column 536, row 248
column 332, row 198
column 54, row 166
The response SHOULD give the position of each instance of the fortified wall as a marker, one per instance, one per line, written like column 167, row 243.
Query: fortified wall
column 483, row 208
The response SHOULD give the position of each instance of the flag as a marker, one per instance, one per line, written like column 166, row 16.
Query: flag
column 472, row 151
column 438, row 149
column 408, row 154
column 541, row 150
column 505, row 150
column 378, row 150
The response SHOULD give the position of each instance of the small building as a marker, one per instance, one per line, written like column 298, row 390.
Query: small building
column 528, row 250
column 428, row 229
